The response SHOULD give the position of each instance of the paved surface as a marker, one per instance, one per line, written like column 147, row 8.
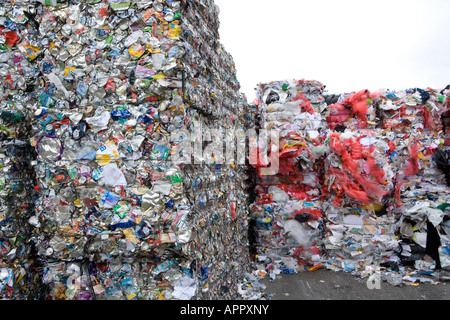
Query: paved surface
column 331, row 285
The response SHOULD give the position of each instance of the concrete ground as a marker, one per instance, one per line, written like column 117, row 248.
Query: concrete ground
column 331, row 285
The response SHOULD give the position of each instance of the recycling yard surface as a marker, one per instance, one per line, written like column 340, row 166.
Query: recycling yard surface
column 331, row 285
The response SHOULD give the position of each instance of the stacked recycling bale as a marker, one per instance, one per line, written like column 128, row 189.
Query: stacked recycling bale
column 217, row 194
column 288, row 209
column 120, row 213
column 18, row 266
column 360, row 227
column 414, row 118
column 217, row 189
column 402, row 121
column 385, row 183
column 384, row 177
column 358, row 182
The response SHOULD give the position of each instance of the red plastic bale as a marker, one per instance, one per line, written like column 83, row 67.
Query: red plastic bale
column 306, row 104
column 412, row 166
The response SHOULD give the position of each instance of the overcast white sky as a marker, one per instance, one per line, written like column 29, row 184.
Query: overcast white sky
column 348, row 45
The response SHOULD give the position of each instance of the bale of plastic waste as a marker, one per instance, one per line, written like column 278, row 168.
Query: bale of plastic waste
column 287, row 212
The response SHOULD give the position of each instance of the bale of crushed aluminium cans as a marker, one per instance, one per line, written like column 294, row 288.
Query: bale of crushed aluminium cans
column 18, row 269
column 112, row 83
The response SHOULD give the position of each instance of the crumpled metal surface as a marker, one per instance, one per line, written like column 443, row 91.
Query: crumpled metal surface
column 18, row 269
column 106, row 85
